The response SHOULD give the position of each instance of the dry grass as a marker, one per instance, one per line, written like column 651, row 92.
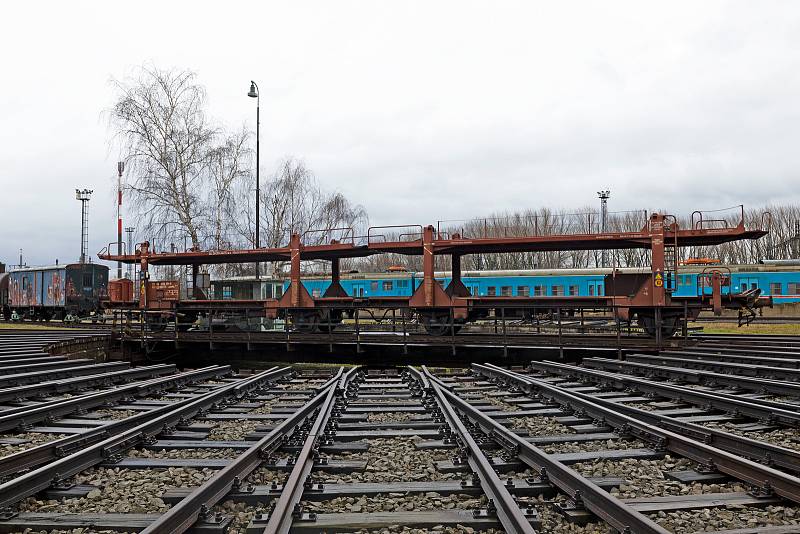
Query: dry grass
column 29, row 326
column 733, row 328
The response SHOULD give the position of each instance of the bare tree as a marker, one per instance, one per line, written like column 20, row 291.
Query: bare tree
column 159, row 119
column 228, row 165
column 293, row 202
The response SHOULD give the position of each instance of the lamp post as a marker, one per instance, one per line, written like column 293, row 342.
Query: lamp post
column 603, row 219
column 254, row 93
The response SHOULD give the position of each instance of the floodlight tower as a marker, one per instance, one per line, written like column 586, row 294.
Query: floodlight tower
column 84, row 195
column 603, row 219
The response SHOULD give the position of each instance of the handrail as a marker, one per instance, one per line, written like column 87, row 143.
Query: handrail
column 768, row 216
column 370, row 235
column 348, row 232
column 700, row 223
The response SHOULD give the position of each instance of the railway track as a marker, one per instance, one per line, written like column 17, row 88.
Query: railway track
column 605, row 446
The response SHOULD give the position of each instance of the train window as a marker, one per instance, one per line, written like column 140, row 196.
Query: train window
column 87, row 280
column 491, row 291
column 402, row 283
column 794, row 288
column 387, row 285
column 558, row 291
column 227, row 292
column 573, row 291
column 775, row 288
column 315, row 292
column 373, row 286
column 278, row 291
column 523, row 291
column 505, row 291
column 599, row 290
column 538, row 291
column 24, row 282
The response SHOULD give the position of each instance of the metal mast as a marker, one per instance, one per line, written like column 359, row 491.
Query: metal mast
column 603, row 219
column 120, row 170
column 129, row 230
column 83, row 196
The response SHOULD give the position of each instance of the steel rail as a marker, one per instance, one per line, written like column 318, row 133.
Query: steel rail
column 52, row 450
column 508, row 511
column 33, row 377
column 761, row 476
column 14, row 362
column 756, row 371
column 752, row 352
column 182, row 516
column 760, row 451
column 608, row 508
column 24, row 416
column 280, row 519
column 81, row 382
column 31, row 366
column 768, row 411
column 147, row 426
column 696, row 376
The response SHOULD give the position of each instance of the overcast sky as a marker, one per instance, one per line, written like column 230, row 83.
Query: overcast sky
column 419, row 111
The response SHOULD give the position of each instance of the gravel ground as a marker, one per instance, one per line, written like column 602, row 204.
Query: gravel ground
column 232, row 430
column 552, row 522
column 113, row 415
column 503, row 405
column 241, row 513
column 183, row 453
column 396, row 502
column 71, row 531
column 266, row 407
column 783, row 437
column 641, row 405
column 264, row 477
column 393, row 460
column 389, row 417
column 783, row 399
column 592, row 446
column 36, row 438
column 710, row 519
column 122, row 490
column 645, row 478
column 540, row 426
column 306, row 385
column 458, row 529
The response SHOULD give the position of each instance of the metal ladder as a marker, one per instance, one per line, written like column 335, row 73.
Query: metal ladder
column 671, row 257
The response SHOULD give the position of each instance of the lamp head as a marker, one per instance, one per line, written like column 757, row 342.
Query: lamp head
column 253, row 93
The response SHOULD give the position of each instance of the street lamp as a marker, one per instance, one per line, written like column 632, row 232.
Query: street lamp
column 254, row 93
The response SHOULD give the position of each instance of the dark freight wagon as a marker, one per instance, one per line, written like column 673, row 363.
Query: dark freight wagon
column 58, row 291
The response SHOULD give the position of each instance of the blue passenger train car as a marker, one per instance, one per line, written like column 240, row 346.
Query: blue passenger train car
column 782, row 283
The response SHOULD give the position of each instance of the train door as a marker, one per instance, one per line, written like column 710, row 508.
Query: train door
column 747, row 283
column 596, row 287
column 359, row 288
column 474, row 289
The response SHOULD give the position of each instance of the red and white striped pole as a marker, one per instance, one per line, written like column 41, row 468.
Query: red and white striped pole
column 120, row 170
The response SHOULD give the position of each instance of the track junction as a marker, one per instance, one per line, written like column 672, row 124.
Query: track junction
column 694, row 440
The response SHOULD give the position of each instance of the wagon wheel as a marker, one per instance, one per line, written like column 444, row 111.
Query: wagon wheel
column 156, row 323
column 439, row 324
column 306, row 322
column 669, row 325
